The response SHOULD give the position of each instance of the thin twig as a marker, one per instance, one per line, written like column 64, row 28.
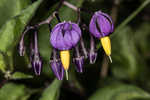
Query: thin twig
column 70, row 6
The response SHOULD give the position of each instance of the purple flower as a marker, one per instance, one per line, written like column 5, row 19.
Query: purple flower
column 65, row 35
column 56, row 65
column 101, row 25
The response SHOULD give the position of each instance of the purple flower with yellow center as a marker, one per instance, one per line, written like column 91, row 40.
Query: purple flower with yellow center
column 65, row 36
column 101, row 26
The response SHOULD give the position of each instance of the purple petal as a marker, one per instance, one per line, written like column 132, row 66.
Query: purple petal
column 93, row 28
column 101, row 25
column 65, row 35
column 66, row 26
column 104, row 25
column 76, row 28
column 75, row 37
column 68, row 39
column 110, row 19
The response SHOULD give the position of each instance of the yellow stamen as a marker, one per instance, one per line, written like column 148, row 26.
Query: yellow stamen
column 65, row 58
column 110, row 59
column 106, row 44
column 66, row 74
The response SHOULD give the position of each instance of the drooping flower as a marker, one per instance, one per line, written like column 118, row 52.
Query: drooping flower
column 78, row 60
column 64, row 36
column 56, row 65
column 101, row 26
column 35, row 57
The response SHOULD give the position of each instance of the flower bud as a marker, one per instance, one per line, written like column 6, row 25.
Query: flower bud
column 56, row 65
column 37, row 64
column 36, row 59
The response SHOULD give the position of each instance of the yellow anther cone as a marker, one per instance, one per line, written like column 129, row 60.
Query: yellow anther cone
column 65, row 59
column 106, row 44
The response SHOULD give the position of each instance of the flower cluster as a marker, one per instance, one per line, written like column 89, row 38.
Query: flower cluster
column 35, row 57
column 66, row 36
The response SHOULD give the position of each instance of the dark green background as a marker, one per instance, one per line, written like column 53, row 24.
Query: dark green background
column 127, row 77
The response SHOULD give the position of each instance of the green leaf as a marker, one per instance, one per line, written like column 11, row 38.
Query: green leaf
column 132, row 16
column 12, row 91
column 143, row 44
column 2, row 63
column 52, row 92
column 12, row 29
column 20, row 75
column 10, row 8
column 119, row 92
column 126, row 61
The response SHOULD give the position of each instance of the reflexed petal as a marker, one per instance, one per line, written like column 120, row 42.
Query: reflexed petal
column 65, row 35
column 68, row 39
column 76, row 28
column 104, row 25
column 93, row 28
column 54, row 34
column 110, row 19
column 101, row 25
column 66, row 26
column 75, row 37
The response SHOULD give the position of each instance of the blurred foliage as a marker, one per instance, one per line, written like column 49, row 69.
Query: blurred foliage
column 52, row 92
column 13, row 91
column 119, row 91
column 127, row 77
